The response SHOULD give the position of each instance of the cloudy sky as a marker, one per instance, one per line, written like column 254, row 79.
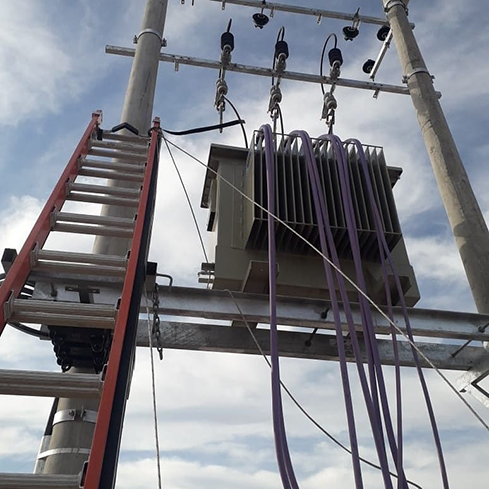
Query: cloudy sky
column 214, row 409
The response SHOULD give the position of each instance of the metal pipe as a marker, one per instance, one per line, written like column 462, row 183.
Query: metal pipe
column 463, row 211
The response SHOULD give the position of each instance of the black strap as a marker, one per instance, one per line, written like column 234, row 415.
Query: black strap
column 205, row 128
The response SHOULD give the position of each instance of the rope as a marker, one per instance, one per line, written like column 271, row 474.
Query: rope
column 194, row 217
column 349, row 280
column 153, row 389
column 297, row 403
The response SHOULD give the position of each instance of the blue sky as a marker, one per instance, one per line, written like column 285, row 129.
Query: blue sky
column 214, row 408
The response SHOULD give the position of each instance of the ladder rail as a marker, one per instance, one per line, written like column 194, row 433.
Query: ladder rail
column 102, row 463
column 18, row 273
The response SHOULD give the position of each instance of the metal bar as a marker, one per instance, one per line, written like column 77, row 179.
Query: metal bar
column 217, row 305
column 293, row 9
column 49, row 384
column 104, row 189
column 93, row 258
column 267, row 72
column 95, row 230
column 92, row 219
column 18, row 273
column 110, row 175
column 37, row 481
column 381, row 55
column 120, row 146
column 226, row 339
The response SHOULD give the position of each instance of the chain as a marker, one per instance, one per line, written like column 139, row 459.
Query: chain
column 156, row 331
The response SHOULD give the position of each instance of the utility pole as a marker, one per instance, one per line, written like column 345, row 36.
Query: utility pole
column 74, row 421
column 463, row 211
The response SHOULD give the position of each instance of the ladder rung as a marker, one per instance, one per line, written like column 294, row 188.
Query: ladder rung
column 80, row 269
column 110, row 165
column 120, row 146
column 48, row 384
column 94, row 230
column 38, row 481
column 120, row 222
column 92, row 258
column 118, row 155
column 117, row 136
column 111, row 175
column 55, row 307
column 104, row 190
column 102, row 199
column 68, row 320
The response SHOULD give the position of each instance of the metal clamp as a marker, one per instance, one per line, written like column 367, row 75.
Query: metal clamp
column 59, row 451
column 151, row 31
column 75, row 415
column 406, row 78
column 394, row 3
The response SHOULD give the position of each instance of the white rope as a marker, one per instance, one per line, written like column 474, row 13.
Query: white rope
column 381, row 312
column 153, row 387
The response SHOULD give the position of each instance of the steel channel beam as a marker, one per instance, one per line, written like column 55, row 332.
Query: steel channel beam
column 267, row 72
column 226, row 339
column 293, row 9
column 217, row 305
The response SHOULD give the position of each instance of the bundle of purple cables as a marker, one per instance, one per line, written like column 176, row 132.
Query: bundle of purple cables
column 373, row 386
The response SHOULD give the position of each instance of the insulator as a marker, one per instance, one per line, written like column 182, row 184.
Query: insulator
column 382, row 32
column 335, row 56
column 368, row 66
column 260, row 20
column 227, row 39
column 282, row 48
column 350, row 32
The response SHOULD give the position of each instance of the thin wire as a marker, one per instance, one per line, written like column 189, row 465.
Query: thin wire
column 297, row 403
column 349, row 280
column 153, row 388
column 188, row 200
column 332, row 35
column 239, row 118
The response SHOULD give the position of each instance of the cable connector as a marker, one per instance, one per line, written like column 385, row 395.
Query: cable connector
column 275, row 99
column 329, row 107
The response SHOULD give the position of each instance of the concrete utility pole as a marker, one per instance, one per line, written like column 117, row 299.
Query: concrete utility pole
column 73, row 430
column 466, row 220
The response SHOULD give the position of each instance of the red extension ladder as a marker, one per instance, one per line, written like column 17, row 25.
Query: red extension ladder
column 109, row 156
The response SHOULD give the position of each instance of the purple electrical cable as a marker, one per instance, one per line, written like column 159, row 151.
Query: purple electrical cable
column 281, row 447
column 422, row 379
column 324, row 230
column 371, row 342
column 373, row 416
column 402, row 481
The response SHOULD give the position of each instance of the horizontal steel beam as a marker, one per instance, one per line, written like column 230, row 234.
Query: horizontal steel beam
column 267, row 72
column 292, row 311
column 314, row 12
column 228, row 339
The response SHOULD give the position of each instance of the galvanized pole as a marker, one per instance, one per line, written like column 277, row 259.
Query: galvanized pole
column 466, row 220
column 73, row 431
